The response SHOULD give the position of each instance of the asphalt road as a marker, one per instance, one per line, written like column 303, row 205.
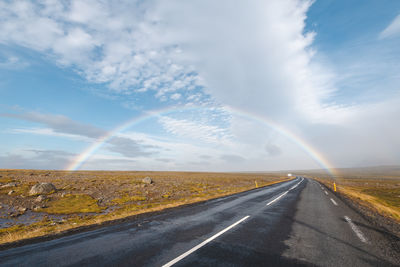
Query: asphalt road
column 293, row 223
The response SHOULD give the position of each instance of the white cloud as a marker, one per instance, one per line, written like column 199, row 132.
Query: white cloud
column 392, row 29
column 12, row 62
column 50, row 132
column 175, row 96
column 262, row 62
column 195, row 130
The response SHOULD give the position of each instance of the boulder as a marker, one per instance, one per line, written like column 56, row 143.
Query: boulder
column 147, row 180
column 11, row 192
column 42, row 188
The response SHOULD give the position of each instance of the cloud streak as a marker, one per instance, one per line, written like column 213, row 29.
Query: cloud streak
column 392, row 29
column 65, row 126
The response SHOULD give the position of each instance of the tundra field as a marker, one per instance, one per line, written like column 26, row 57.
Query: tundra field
column 85, row 198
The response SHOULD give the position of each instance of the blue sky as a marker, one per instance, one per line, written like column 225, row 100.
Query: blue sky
column 215, row 85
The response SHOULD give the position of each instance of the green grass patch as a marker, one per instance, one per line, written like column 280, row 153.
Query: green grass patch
column 73, row 204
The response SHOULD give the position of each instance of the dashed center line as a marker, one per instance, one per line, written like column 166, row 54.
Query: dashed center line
column 177, row 259
column 358, row 232
column 277, row 198
column 284, row 193
column 334, row 202
column 326, row 193
column 170, row 263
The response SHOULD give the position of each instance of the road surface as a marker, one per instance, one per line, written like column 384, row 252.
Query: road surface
column 296, row 223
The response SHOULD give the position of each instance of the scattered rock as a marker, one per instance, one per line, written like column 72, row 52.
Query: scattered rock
column 42, row 188
column 9, row 185
column 143, row 185
column 147, row 180
column 11, row 192
column 40, row 198
column 36, row 208
column 63, row 194
column 1, row 207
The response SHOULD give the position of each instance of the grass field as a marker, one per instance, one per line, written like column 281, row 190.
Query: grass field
column 92, row 197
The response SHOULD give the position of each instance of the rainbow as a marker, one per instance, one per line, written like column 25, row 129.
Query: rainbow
column 78, row 161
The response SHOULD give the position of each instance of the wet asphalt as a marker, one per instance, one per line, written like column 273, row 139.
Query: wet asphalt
column 295, row 223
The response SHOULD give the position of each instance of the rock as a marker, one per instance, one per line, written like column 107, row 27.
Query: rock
column 1, row 207
column 63, row 194
column 147, row 180
column 143, row 185
column 42, row 188
column 11, row 192
column 36, row 208
column 22, row 209
column 9, row 185
column 40, row 198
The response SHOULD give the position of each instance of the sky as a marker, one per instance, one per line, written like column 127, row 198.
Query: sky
column 199, row 85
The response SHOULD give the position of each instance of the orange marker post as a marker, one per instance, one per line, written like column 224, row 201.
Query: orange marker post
column 334, row 186
column 256, row 184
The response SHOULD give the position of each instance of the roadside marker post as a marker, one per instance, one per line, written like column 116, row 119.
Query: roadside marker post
column 334, row 186
column 256, row 184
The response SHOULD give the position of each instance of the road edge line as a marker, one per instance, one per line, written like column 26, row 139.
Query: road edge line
column 356, row 230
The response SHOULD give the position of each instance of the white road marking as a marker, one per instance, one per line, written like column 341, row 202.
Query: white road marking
column 356, row 230
column 326, row 193
column 334, row 202
column 293, row 187
column 203, row 243
column 277, row 198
